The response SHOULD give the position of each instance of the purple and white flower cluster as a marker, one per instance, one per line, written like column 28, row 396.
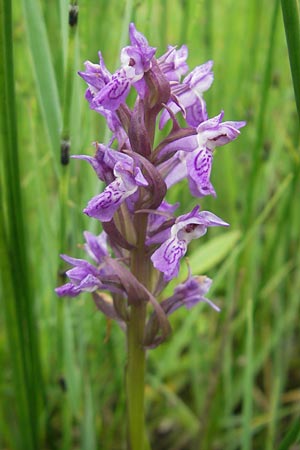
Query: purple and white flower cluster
column 135, row 216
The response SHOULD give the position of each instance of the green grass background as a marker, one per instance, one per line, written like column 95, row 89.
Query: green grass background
column 223, row 381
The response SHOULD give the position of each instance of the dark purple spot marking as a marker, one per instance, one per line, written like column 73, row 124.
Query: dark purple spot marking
column 202, row 164
column 109, row 197
column 190, row 227
column 218, row 137
column 174, row 250
column 118, row 88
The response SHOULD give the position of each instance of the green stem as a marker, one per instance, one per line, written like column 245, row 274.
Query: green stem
column 291, row 19
column 135, row 373
column 135, row 378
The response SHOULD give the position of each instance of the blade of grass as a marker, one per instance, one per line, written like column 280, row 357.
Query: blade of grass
column 291, row 19
column 248, row 380
column 19, row 306
column 257, row 154
column 251, row 232
column 44, row 74
column 292, row 436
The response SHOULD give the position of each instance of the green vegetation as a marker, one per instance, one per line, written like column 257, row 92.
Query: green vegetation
column 224, row 381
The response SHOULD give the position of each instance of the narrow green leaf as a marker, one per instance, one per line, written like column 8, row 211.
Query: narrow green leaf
column 291, row 18
column 248, row 380
column 44, row 74
column 17, row 292
column 213, row 252
column 291, row 437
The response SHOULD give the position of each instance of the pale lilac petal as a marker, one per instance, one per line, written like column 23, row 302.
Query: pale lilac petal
column 186, row 228
column 189, row 294
column 78, row 273
column 176, row 175
column 113, row 93
column 132, row 63
column 159, row 225
column 139, row 177
column 103, row 206
column 141, row 88
column 173, row 63
column 211, row 220
column 199, row 165
column 213, row 133
column 68, row 290
column 95, row 163
column 187, row 144
column 138, row 40
column 196, row 112
column 167, row 257
column 90, row 284
column 165, row 115
column 201, row 190
column 174, row 169
column 201, row 78
column 96, row 75
column 164, row 212
column 74, row 261
column 96, row 246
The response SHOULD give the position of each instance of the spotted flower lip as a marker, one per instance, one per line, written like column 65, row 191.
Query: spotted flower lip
column 108, row 91
column 128, row 177
column 196, row 151
column 186, row 228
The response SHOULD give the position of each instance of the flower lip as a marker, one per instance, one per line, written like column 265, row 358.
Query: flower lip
column 187, row 227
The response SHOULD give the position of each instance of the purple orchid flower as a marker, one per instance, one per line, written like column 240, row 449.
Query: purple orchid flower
column 146, row 239
column 211, row 134
column 136, row 58
column 96, row 76
column 173, row 63
column 189, row 293
column 109, row 91
column 84, row 277
column 128, row 178
column 186, row 228
column 188, row 95
column 159, row 223
column 198, row 155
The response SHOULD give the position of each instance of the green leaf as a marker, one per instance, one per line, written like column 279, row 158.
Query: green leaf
column 291, row 18
column 213, row 252
column 44, row 74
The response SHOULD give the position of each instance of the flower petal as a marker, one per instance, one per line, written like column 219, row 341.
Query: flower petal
column 96, row 246
column 67, row 290
column 199, row 165
column 167, row 257
column 103, row 206
column 113, row 93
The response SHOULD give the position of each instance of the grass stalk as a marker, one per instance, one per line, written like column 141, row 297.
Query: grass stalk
column 248, row 380
column 46, row 84
column 257, row 154
column 19, row 300
column 291, row 19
